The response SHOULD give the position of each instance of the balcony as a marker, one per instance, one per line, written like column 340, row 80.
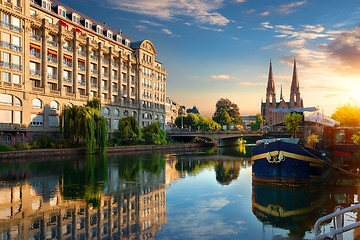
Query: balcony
column 115, row 77
column 52, row 59
column 55, row 92
column 124, row 80
column 68, row 64
column 35, row 54
column 70, row 94
column 124, row 68
column 105, row 74
column 81, row 53
column 132, row 70
column 81, row 67
column 68, row 79
column 68, row 48
column 133, row 82
column 11, row 27
column 94, row 85
column 12, row 126
column 52, row 43
column 10, row 46
column 123, row 92
column 52, row 76
column 94, row 71
column 105, row 61
column 81, row 83
column 35, row 37
column 114, row 89
column 105, row 87
column 133, row 94
column 115, row 65
column 35, row 72
column 146, row 85
column 94, row 57
column 11, row 65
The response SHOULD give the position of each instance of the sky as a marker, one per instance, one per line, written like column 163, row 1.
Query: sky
column 216, row 49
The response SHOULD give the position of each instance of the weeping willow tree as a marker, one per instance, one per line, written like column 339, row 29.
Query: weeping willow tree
column 129, row 131
column 85, row 122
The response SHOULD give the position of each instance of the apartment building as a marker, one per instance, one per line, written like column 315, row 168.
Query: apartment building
column 52, row 56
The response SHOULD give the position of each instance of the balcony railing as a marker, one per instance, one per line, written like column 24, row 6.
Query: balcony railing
column 52, row 59
column 94, row 57
column 35, row 54
column 68, row 79
column 124, row 80
column 133, row 82
column 81, row 53
column 105, row 74
column 124, row 68
column 10, row 65
column 35, row 37
column 116, row 65
column 94, row 71
column 114, row 89
column 68, row 64
column 11, row 27
column 123, row 92
column 52, row 43
column 81, row 83
column 52, row 76
column 132, row 70
column 10, row 46
column 115, row 77
column 81, row 67
column 94, row 85
column 146, row 85
column 68, row 48
column 105, row 61
column 105, row 88
column 35, row 72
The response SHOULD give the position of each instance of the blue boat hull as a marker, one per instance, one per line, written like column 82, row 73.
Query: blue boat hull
column 288, row 163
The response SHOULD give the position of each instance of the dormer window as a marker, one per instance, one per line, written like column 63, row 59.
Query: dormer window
column 127, row 42
column 62, row 11
column 76, row 18
column 88, row 24
column 109, row 34
column 99, row 30
column 118, row 38
column 46, row 5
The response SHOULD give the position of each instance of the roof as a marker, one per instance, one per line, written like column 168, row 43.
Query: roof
column 321, row 119
column 289, row 110
column 69, row 11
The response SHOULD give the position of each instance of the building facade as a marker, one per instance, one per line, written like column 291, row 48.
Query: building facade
column 52, row 56
column 172, row 112
column 272, row 118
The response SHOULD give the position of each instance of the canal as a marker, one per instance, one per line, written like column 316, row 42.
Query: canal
column 201, row 194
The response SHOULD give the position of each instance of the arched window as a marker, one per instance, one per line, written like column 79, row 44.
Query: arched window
column 17, row 101
column 162, row 118
column 106, row 111
column 69, row 105
column 150, row 116
column 134, row 114
column 37, row 103
column 54, row 105
column 117, row 112
column 156, row 117
column 126, row 113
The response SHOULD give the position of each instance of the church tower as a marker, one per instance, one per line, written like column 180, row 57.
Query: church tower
column 295, row 100
column 270, row 94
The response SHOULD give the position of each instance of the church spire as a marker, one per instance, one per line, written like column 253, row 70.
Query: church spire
column 270, row 85
column 281, row 96
column 295, row 81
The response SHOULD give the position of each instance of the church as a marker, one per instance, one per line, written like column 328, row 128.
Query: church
column 271, row 117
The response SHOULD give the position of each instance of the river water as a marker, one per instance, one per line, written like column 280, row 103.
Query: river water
column 200, row 194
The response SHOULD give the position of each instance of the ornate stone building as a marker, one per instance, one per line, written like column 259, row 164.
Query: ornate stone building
column 270, row 117
column 52, row 56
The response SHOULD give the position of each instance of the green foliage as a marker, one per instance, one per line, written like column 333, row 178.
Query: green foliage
column 257, row 124
column 347, row 116
column 85, row 122
column 196, row 121
column 356, row 138
column 6, row 148
column 128, row 132
column 293, row 122
column 231, row 108
column 153, row 134
column 223, row 118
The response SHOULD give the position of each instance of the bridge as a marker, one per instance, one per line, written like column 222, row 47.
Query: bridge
column 224, row 138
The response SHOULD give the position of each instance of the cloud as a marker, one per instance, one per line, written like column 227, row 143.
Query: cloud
column 266, row 25
column 167, row 31
column 265, row 13
column 240, row 1
column 289, row 8
column 223, row 76
column 294, row 43
column 204, row 12
column 239, row 27
column 287, row 27
column 250, row 11
column 213, row 29
column 281, row 36
column 151, row 23
column 314, row 28
column 235, row 38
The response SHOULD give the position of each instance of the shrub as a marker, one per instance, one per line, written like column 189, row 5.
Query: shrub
column 5, row 148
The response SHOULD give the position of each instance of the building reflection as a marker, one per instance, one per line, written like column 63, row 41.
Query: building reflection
column 107, row 207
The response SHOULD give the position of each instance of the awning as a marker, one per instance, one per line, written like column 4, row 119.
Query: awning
column 77, row 30
column 52, row 52
column 290, row 110
column 81, row 60
column 68, row 56
column 63, row 24
column 35, row 46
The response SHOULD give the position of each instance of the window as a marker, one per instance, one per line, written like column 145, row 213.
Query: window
column 54, row 105
column 6, row 18
column 37, row 119
column 37, row 103
column 5, row 116
column 126, row 113
column 49, row 19
column 109, row 34
column 162, row 118
column 76, row 18
column 6, row 37
column 106, row 111
column 20, row 138
column 16, row 78
column 88, row 24
column 53, row 121
column 16, row 22
column 6, row 57
column 16, row 41
column 18, row 117
column 69, row 105
column 117, row 112
column 6, row 77
column 16, row 59
column 6, row 138
column 116, row 123
column 99, row 30
column 118, row 38
column 134, row 114
column 6, row 99
column 46, row 5
column 62, row 11
column 17, row 101
column 32, row 12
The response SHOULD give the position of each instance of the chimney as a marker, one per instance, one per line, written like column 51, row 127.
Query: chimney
column 105, row 23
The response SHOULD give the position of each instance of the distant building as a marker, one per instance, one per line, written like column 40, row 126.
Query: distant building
column 247, row 120
column 172, row 112
column 193, row 110
column 270, row 117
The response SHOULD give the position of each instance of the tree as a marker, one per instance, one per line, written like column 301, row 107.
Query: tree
column 223, row 119
column 129, row 131
column 257, row 124
column 293, row 122
column 231, row 108
column 153, row 134
column 347, row 116
column 191, row 120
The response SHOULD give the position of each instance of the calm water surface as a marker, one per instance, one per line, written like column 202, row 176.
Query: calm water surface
column 203, row 194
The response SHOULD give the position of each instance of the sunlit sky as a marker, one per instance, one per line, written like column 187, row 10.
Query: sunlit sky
column 216, row 49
